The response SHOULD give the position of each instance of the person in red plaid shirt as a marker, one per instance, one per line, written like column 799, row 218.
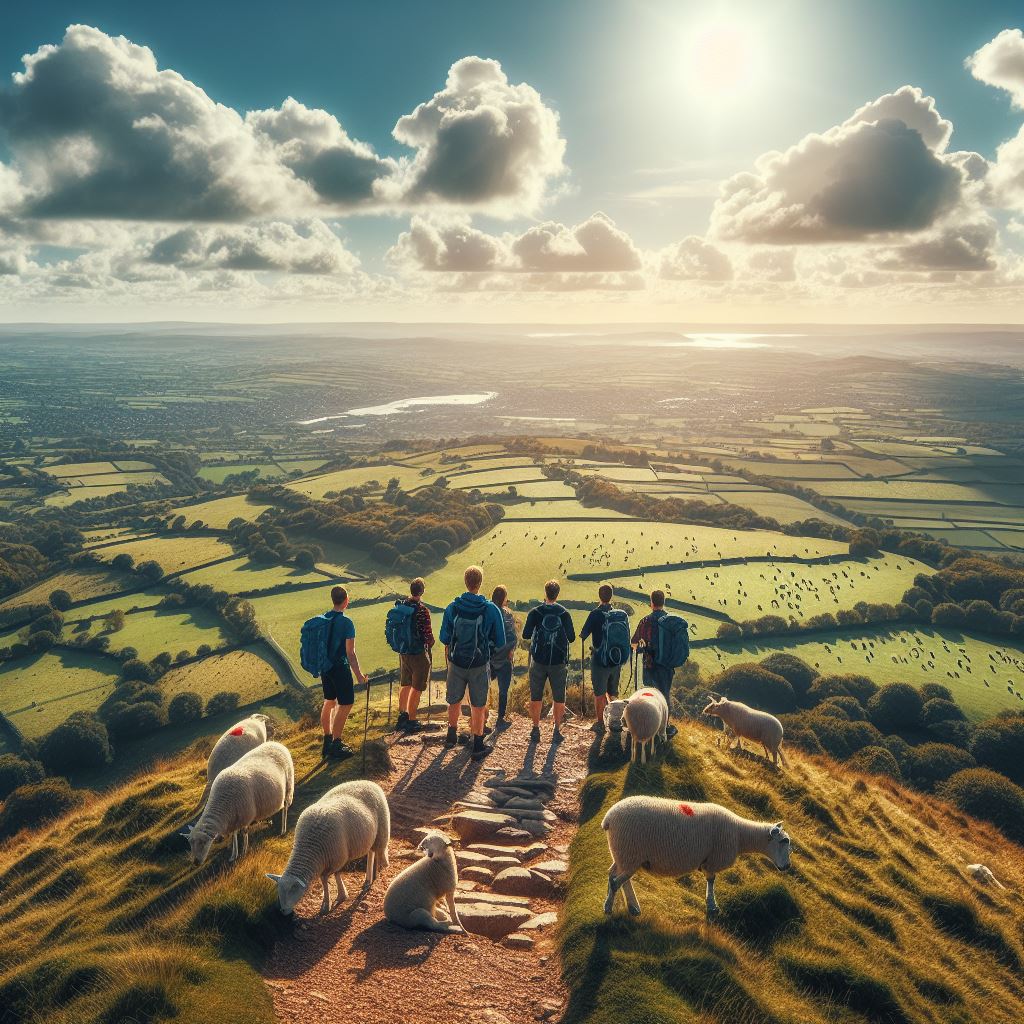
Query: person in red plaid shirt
column 415, row 668
column 645, row 641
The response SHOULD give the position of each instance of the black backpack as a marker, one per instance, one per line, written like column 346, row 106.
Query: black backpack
column 550, row 645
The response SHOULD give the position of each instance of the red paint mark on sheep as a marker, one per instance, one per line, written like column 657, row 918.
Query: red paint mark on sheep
column 687, row 810
column 237, row 731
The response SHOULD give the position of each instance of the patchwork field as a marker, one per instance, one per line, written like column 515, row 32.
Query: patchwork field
column 173, row 554
column 245, row 672
column 219, row 512
column 81, row 584
column 153, row 632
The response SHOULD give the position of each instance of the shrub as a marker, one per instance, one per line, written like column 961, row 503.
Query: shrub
column 932, row 763
column 998, row 743
column 134, row 669
column 876, row 761
column 957, row 734
column 842, row 738
column 852, row 707
column 123, row 562
column 61, row 600
column 37, row 804
column 851, row 685
column 757, row 687
column 203, row 650
column 79, row 744
column 987, row 795
column 184, row 707
column 222, row 702
column 896, row 707
column 949, row 615
column 729, row 631
column 126, row 721
column 794, row 670
column 761, row 912
column 935, row 691
column 17, row 771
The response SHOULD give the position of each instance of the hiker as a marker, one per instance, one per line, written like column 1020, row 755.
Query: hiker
column 471, row 629
column 337, row 682
column 409, row 633
column 501, row 658
column 664, row 641
column 549, row 628
column 607, row 628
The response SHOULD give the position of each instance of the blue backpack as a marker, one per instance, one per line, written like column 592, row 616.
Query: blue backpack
column 315, row 644
column 400, row 629
column 673, row 646
column 469, row 648
column 614, row 648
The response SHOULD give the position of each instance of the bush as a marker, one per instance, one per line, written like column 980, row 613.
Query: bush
column 61, row 600
column 37, row 804
column 794, row 670
column 757, row 687
column 17, row 771
column 987, row 795
column 998, row 743
column 852, row 708
column 932, row 763
column 841, row 738
column 184, row 707
column 851, row 685
column 729, row 631
column 222, row 702
column 935, row 691
column 79, row 744
column 123, row 562
column 876, row 761
column 957, row 734
column 896, row 707
column 127, row 721
column 203, row 650
column 134, row 669
column 949, row 615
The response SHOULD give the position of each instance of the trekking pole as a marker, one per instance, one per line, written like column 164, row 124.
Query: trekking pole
column 583, row 680
column 391, row 686
column 430, row 684
column 366, row 723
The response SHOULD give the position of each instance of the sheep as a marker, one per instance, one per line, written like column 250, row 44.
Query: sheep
column 349, row 821
column 674, row 838
column 412, row 897
column 613, row 715
column 646, row 716
column 242, row 737
column 748, row 723
column 255, row 787
column 982, row 873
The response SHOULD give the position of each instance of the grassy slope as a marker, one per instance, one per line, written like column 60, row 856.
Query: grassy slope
column 875, row 921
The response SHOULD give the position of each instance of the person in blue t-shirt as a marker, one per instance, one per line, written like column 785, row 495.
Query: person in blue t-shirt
column 337, row 681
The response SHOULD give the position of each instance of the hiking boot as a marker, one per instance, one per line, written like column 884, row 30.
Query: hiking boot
column 556, row 736
column 487, row 730
column 480, row 749
column 451, row 738
column 326, row 746
column 671, row 731
column 535, row 734
column 402, row 721
column 339, row 750
column 412, row 726
column 502, row 724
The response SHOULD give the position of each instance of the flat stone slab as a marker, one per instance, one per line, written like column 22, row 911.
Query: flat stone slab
column 540, row 922
column 523, row 882
column 493, row 850
column 551, row 867
column 477, row 873
column 497, row 898
column 492, row 920
column 512, row 835
column 474, row 826
column 468, row 858
column 517, row 940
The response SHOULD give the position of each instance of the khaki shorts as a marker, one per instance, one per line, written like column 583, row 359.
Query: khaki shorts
column 605, row 679
column 414, row 670
column 477, row 680
column 554, row 674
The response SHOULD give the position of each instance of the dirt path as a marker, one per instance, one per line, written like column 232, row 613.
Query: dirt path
column 353, row 964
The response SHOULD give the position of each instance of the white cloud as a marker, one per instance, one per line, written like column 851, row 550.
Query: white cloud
column 695, row 259
column 1000, row 63
column 776, row 265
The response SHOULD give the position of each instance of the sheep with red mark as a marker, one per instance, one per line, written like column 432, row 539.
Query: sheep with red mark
column 237, row 741
column 646, row 717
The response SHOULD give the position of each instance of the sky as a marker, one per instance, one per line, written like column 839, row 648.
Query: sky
column 724, row 162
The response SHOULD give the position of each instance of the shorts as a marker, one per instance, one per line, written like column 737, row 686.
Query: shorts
column 553, row 674
column 476, row 680
column 660, row 678
column 414, row 670
column 605, row 680
column 338, row 685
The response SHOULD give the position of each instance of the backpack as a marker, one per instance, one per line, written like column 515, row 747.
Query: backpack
column 673, row 645
column 615, row 647
column 469, row 648
column 550, row 645
column 315, row 644
column 400, row 629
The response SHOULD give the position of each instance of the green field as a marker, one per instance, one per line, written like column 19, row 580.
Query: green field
column 79, row 583
column 409, row 477
column 172, row 553
column 219, row 512
column 152, row 632
column 217, row 474
column 244, row 672
column 241, row 574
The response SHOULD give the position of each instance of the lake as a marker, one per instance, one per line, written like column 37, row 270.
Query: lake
column 405, row 404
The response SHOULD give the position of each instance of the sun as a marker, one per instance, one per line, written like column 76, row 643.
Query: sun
column 723, row 60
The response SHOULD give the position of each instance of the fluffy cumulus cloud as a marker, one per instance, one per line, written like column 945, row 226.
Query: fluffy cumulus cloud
column 695, row 259
column 883, row 171
column 1001, row 63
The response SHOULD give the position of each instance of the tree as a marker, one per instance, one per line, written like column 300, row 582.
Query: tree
column 151, row 570
column 757, row 687
column 940, row 710
column 162, row 662
column 113, row 621
column 222, row 702
column 17, row 771
column 37, row 804
column 124, row 562
column 947, row 614
column 61, row 600
column 184, row 707
column 127, row 721
column 203, row 650
column 304, row 559
column 932, row 763
column 794, row 670
column 134, row 669
column 729, row 631
column 987, row 795
column 79, row 744
column 998, row 743
column 896, row 707
column 851, row 685
column 875, row 761
column 41, row 641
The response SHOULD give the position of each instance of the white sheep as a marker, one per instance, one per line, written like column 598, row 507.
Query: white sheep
column 982, row 873
column 242, row 737
column 254, row 788
column 413, row 895
column 349, row 821
column 613, row 715
column 646, row 716
column 677, row 837
column 748, row 723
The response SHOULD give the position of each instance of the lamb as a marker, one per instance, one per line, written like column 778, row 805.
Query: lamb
column 673, row 838
column 646, row 716
column 242, row 737
column 349, row 821
column 412, row 897
column 748, row 723
column 982, row 873
column 255, row 787
column 613, row 715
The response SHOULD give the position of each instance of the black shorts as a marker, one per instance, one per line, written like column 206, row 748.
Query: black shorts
column 338, row 685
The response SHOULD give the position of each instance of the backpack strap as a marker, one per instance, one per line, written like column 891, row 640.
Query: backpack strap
column 330, row 637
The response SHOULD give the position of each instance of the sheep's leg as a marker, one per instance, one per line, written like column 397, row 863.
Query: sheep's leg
column 643, row 752
column 631, row 901
column 711, row 905
column 383, row 862
column 450, row 900
column 326, row 904
column 342, row 890
column 439, row 913
column 284, row 819
column 614, row 884
column 234, row 847
column 245, row 842
column 782, row 756
column 371, row 872
column 421, row 918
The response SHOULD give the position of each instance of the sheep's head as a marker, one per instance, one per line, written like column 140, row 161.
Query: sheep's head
column 289, row 891
column 613, row 712
column 268, row 723
column 778, row 846
column 199, row 843
column 716, row 706
column 434, row 845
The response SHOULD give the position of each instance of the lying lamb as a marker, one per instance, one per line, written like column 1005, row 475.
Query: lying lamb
column 646, row 716
column 254, row 788
column 412, row 897
column 349, row 821
column 748, row 723
column 672, row 837
column 982, row 873
column 242, row 737
column 613, row 715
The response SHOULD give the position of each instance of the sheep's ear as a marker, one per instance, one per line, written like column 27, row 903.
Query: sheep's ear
column 274, row 878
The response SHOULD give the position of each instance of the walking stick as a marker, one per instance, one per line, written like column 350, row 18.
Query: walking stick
column 430, row 684
column 366, row 723
column 391, row 686
column 583, row 680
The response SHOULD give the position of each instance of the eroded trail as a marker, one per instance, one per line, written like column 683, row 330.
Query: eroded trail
column 514, row 841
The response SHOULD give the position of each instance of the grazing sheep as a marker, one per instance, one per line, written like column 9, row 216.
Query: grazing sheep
column 674, row 838
column 412, row 897
column 613, row 715
column 646, row 716
column 748, row 723
column 982, row 873
column 349, row 821
column 242, row 737
column 254, row 788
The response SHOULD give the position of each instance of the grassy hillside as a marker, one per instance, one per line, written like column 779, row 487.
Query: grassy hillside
column 875, row 921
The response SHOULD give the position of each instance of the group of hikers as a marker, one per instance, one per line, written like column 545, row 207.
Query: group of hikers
column 479, row 637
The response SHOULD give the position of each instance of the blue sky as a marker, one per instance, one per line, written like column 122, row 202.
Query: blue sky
column 646, row 138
